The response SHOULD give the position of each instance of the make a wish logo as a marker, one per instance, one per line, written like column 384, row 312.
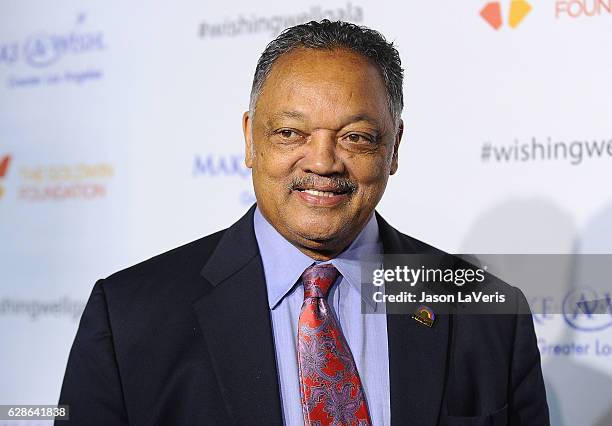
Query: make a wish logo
column 226, row 167
column 492, row 13
column 586, row 310
column 221, row 165
column 35, row 59
column 583, row 309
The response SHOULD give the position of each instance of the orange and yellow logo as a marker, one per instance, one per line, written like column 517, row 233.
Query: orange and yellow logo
column 4, row 164
column 492, row 13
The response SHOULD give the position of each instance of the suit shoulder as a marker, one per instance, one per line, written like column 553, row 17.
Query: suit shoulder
column 418, row 245
column 410, row 245
column 159, row 287
column 186, row 257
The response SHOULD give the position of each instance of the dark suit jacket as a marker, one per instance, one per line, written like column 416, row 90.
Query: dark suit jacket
column 185, row 338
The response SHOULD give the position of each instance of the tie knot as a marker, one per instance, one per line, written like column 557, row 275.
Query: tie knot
column 318, row 279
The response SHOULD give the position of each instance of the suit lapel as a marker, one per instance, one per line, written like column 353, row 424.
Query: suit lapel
column 417, row 354
column 235, row 320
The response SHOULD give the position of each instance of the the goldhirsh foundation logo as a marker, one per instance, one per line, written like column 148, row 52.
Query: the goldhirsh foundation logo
column 4, row 165
column 492, row 13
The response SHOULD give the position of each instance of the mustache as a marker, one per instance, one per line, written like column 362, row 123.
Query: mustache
column 334, row 183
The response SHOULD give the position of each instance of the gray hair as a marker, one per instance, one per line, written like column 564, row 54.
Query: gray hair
column 329, row 35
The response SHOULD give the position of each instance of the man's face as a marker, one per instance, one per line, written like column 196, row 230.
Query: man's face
column 322, row 147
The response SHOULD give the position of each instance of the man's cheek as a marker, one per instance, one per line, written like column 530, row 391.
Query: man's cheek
column 370, row 174
column 279, row 166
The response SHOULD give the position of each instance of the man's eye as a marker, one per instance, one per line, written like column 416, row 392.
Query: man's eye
column 287, row 134
column 357, row 138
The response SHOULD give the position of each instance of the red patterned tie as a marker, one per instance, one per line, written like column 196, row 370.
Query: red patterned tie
column 329, row 382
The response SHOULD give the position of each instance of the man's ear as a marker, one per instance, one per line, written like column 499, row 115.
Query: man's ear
column 247, row 129
column 396, row 144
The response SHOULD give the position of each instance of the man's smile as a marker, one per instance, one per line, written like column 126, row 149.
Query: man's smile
column 319, row 198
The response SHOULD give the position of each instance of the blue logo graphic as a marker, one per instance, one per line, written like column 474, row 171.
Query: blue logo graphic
column 9, row 53
column 220, row 165
column 585, row 310
column 43, row 49
column 223, row 167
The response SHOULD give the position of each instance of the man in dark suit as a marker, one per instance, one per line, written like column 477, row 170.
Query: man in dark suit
column 262, row 323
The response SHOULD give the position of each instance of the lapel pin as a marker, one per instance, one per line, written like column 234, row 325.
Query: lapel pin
column 424, row 315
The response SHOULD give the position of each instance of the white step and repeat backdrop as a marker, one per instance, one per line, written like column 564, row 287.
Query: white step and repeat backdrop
column 120, row 138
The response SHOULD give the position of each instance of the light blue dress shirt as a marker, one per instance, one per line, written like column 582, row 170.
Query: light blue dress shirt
column 366, row 334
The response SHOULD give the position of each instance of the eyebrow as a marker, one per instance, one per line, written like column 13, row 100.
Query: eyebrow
column 287, row 114
column 362, row 117
column 299, row 116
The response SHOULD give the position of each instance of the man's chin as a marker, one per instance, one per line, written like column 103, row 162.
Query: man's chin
column 326, row 239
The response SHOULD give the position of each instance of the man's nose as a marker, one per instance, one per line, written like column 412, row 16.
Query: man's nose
column 321, row 155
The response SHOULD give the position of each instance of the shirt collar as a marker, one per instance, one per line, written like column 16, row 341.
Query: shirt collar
column 283, row 263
